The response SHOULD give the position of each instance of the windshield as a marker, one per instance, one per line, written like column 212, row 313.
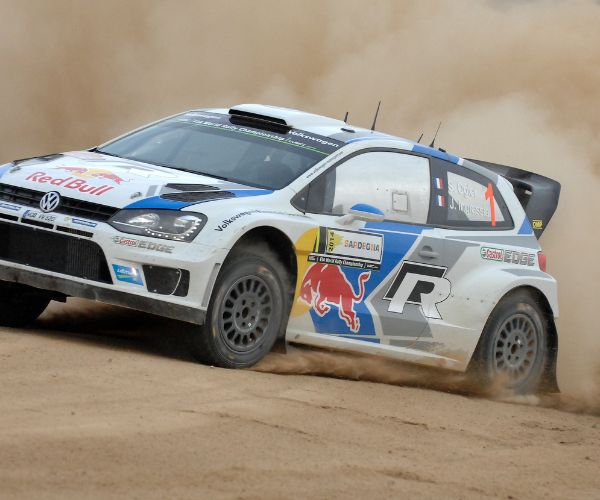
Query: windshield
column 225, row 147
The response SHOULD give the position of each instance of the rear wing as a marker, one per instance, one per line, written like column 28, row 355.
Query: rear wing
column 538, row 194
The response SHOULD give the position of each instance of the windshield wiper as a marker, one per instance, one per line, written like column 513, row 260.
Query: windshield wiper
column 221, row 177
column 96, row 150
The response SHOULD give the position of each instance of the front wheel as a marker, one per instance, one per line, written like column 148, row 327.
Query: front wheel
column 513, row 350
column 248, row 310
column 20, row 304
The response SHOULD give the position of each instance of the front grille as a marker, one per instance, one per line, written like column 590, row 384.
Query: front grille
column 68, row 206
column 53, row 252
column 78, row 232
column 33, row 222
column 9, row 217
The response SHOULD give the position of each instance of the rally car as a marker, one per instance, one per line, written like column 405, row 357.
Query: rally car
column 259, row 223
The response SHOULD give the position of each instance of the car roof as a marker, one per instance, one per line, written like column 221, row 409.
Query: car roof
column 332, row 128
column 309, row 122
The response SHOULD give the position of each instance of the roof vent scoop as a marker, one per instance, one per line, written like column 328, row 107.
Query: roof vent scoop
column 264, row 122
column 256, row 116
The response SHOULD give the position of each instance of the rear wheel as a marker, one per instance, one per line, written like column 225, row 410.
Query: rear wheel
column 20, row 304
column 248, row 310
column 513, row 350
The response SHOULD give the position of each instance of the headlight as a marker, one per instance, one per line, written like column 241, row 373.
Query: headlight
column 166, row 224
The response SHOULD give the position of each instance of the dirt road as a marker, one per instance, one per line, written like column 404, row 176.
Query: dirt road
column 105, row 402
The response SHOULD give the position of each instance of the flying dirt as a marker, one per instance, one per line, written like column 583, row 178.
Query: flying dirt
column 512, row 82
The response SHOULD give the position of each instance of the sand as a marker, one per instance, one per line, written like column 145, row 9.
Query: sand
column 99, row 402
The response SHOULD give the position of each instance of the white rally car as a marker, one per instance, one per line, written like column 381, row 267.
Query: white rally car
column 258, row 223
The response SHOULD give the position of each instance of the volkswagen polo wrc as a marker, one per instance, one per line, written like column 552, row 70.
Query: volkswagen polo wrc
column 256, row 223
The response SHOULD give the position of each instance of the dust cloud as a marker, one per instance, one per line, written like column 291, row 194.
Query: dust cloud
column 512, row 82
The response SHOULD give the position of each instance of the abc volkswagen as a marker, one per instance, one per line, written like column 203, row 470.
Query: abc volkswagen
column 258, row 223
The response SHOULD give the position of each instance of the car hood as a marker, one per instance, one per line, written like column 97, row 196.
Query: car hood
column 118, row 182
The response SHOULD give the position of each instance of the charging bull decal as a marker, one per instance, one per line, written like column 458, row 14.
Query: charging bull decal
column 93, row 173
column 326, row 285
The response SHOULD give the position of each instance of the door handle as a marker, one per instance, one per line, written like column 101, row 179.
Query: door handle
column 428, row 253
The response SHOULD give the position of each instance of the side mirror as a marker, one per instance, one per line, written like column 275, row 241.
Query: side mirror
column 364, row 212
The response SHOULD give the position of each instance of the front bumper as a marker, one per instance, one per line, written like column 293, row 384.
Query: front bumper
column 92, row 260
column 93, row 292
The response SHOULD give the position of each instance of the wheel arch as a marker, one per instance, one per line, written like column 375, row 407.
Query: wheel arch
column 276, row 240
column 280, row 244
column 549, row 382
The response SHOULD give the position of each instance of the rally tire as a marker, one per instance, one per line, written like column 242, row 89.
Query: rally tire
column 513, row 351
column 20, row 304
column 248, row 310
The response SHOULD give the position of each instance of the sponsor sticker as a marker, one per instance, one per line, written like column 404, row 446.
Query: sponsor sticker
column 327, row 287
column 83, row 222
column 32, row 214
column 420, row 284
column 10, row 206
column 522, row 258
column 144, row 245
column 69, row 183
column 492, row 253
column 537, row 224
column 232, row 219
column 295, row 138
column 348, row 248
column 508, row 256
column 128, row 274
column 93, row 173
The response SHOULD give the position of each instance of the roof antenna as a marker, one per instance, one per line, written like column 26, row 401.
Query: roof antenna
column 346, row 117
column 436, row 133
column 420, row 137
column 375, row 119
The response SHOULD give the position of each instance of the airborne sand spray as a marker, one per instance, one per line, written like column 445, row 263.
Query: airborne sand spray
column 512, row 82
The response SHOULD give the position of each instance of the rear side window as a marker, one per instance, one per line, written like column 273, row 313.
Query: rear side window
column 462, row 198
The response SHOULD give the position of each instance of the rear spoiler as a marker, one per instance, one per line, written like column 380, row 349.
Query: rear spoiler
column 538, row 194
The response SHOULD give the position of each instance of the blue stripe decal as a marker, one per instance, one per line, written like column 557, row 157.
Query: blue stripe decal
column 526, row 227
column 242, row 193
column 157, row 202
column 375, row 138
column 426, row 150
column 5, row 168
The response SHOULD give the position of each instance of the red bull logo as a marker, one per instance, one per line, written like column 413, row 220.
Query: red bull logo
column 69, row 183
column 325, row 285
column 93, row 173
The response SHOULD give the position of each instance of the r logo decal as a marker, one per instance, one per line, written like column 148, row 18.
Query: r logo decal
column 419, row 284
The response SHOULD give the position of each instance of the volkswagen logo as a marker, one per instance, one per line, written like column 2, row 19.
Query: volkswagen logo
column 50, row 202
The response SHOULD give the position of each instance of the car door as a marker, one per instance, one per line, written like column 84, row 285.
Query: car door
column 354, row 269
column 471, row 221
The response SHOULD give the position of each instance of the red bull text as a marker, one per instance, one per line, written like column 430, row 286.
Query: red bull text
column 69, row 183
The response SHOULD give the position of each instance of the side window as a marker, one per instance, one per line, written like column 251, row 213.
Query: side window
column 396, row 183
column 464, row 199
